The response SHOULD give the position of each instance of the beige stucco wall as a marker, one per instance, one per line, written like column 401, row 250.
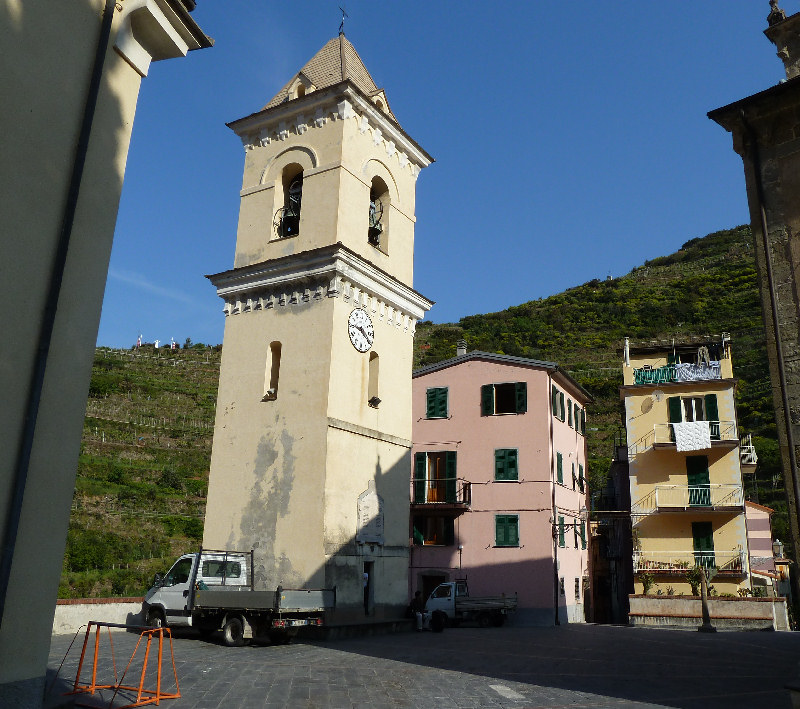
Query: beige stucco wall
column 47, row 54
column 339, row 162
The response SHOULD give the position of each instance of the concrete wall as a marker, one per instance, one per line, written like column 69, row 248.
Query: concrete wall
column 73, row 614
column 726, row 613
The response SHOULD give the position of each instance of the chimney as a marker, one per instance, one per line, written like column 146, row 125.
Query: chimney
column 461, row 348
column 784, row 33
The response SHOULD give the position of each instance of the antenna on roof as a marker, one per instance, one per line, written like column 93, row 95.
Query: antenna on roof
column 344, row 14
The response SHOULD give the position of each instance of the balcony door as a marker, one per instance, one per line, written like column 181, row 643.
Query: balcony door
column 703, row 540
column 435, row 477
column 698, row 481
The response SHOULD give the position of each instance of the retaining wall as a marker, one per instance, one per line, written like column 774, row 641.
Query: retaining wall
column 72, row 613
column 726, row 613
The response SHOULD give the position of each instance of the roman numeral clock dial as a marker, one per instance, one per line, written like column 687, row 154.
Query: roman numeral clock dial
column 359, row 327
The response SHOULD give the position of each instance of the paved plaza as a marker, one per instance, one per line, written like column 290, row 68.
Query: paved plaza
column 573, row 666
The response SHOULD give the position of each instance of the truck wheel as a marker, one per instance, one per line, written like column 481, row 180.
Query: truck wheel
column 498, row 620
column 155, row 618
column 438, row 622
column 484, row 620
column 233, row 632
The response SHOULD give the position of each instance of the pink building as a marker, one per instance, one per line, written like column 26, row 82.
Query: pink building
column 498, row 486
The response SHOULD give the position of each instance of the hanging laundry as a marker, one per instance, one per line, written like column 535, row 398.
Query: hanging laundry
column 692, row 435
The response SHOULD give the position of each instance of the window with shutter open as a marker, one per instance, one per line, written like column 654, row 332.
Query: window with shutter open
column 507, row 398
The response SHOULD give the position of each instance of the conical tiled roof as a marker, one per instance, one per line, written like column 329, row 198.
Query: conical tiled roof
column 337, row 61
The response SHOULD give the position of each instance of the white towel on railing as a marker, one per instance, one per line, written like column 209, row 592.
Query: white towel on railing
column 692, row 435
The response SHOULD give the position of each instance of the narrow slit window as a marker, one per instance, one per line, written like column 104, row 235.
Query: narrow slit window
column 273, row 371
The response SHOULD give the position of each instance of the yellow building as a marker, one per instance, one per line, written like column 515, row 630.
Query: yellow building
column 687, row 503
column 313, row 429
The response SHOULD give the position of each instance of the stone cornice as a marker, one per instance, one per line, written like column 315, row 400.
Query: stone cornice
column 341, row 102
column 329, row 272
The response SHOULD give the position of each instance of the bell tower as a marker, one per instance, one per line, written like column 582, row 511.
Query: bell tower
column 311, row 454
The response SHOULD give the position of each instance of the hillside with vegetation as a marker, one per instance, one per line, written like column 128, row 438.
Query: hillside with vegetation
column 143, row 471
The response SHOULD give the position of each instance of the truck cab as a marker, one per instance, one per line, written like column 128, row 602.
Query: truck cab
column 169, row 600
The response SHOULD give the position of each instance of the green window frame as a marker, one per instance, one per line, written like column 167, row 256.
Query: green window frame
column 436, row 403
column 569, row 414
column 583, row 534
column 559, row 468
column 513, row 393
column 581, row 478
column 506, row 530
column 505, row 464
column 561, row 533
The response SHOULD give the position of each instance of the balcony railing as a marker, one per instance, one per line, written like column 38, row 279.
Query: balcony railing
column 441, row 491
column 677, row 373
column 732, row 562
column 719, row 431
column 747, row 454
column 671, row 497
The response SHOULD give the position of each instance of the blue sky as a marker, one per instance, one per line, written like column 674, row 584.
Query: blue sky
column 571, row 142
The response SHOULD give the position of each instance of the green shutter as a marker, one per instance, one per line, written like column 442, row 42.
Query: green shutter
column 436, row 404
column 675, row 409
column 487, row 400
column 583, row 535
column 574, row 479
column 569, row 412
column 583, row 421
column 559, row 468
column 561, row 405
column 500, row 464
column 581, row 481
column 561, row 541
column 512, row 525
column 712, row 412
column 554, row 400
column 430, row 404
column 417, row 535
column 420, row 473
column 521, row 394
column 511, row 464
column 499, row 530
column 450, row 474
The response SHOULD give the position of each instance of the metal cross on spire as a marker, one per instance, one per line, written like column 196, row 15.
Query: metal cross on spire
column 344, row 14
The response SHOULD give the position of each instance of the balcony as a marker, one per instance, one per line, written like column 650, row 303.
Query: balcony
column 721, row 433
column 669, row 498
column 441, row 494
column 731, row 563
column 747, row 454
column 677, row 373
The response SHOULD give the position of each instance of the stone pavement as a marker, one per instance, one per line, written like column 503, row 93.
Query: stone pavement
column 571, row 666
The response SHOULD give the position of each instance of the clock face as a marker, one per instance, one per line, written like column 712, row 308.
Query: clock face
column 359, row 326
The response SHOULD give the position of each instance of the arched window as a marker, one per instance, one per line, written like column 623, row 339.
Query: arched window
column 377, row 234
column 301, row 91
column 372, row 385
column 273, row 372
column 287, row 218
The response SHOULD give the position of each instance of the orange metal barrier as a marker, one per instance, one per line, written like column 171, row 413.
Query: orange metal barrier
column 143, row 696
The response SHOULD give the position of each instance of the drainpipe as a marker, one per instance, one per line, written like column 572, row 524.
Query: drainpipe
column 553, row 503
column 755, row 156
column 49, row 314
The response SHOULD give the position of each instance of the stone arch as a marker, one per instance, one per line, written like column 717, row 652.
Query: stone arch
column 377, row 168
column 300, row 154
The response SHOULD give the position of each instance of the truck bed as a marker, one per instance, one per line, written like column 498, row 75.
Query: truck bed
column 290, row 600
column 479, row 603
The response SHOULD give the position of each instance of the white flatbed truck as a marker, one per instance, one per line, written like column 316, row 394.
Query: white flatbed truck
column 213, row 590
column 451, row 604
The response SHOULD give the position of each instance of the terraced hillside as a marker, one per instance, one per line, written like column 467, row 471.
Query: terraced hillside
column 143, row 472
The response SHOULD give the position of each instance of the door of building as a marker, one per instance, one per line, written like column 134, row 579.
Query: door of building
column 703, row 540
column 698, row 481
